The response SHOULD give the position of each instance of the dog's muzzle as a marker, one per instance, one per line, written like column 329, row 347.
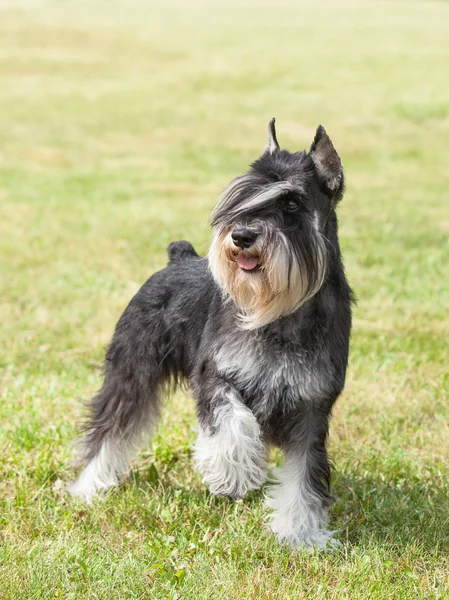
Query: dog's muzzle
column 243, row 237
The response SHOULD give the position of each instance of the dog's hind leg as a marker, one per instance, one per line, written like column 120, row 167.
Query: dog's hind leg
column 122, row 415
column 229, row 451
column 127, row 407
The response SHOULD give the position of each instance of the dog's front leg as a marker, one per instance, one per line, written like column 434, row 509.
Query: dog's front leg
column 300, row 499
column 229, row 451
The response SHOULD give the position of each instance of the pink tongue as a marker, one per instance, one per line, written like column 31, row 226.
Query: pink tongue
column 247, row 262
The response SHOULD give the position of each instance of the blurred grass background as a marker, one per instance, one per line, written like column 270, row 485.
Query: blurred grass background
column 120, row 123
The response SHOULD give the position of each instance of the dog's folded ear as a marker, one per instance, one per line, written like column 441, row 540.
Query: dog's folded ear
column 327, row 162
column 272, row 140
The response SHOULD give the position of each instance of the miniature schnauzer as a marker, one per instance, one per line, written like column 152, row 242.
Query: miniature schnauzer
column 259, row 329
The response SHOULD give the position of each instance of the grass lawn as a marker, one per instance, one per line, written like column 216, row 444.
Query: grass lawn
column 120, row 123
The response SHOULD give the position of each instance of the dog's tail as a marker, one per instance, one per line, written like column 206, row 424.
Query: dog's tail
column 181, row 250
column 140, row 361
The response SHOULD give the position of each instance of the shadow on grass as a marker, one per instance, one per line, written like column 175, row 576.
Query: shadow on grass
column 395, row 513
column 398, row 512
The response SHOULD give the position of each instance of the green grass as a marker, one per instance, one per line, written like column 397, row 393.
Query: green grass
column 119, row 125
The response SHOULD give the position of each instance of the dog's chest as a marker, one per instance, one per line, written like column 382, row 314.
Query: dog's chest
column 268, row 374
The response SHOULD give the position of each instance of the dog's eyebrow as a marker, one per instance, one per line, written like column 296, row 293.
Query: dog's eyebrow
column 237, row 192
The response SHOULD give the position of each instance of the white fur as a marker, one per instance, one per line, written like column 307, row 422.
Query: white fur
column 299, row 518
column 272, row 141
column 232, row 456
column 103, row 472
column 271, row 146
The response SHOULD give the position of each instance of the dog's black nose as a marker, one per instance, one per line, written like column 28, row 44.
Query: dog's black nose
column 243, row 238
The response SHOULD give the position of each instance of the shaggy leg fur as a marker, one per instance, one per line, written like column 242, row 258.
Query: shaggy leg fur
column 229, row 452
column 126, row 409
column 300, row 501
column 113, row 433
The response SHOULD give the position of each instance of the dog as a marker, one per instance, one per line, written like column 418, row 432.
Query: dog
column 259, row 330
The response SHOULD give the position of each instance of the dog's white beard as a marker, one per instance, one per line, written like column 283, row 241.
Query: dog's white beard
column 278, row 288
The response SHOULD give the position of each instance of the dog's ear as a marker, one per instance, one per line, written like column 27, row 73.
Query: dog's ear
column 272, row 140
column 327, row 162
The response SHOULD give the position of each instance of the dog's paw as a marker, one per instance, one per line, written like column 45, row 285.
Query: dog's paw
column 304, row 529
column 235, row 488
column 80, row 491
column 309, row 541
column 89, row 484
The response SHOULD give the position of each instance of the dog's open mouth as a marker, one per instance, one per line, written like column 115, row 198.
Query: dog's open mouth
column 247, row 262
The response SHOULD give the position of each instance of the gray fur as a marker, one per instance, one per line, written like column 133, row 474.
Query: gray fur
column 272, row 384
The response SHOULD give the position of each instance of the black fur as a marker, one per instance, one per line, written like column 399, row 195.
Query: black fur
column 171, row 330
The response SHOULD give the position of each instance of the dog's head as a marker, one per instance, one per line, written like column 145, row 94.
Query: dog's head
column 269, row 250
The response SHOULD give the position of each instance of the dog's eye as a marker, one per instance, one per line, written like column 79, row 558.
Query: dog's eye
column 291, row 205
